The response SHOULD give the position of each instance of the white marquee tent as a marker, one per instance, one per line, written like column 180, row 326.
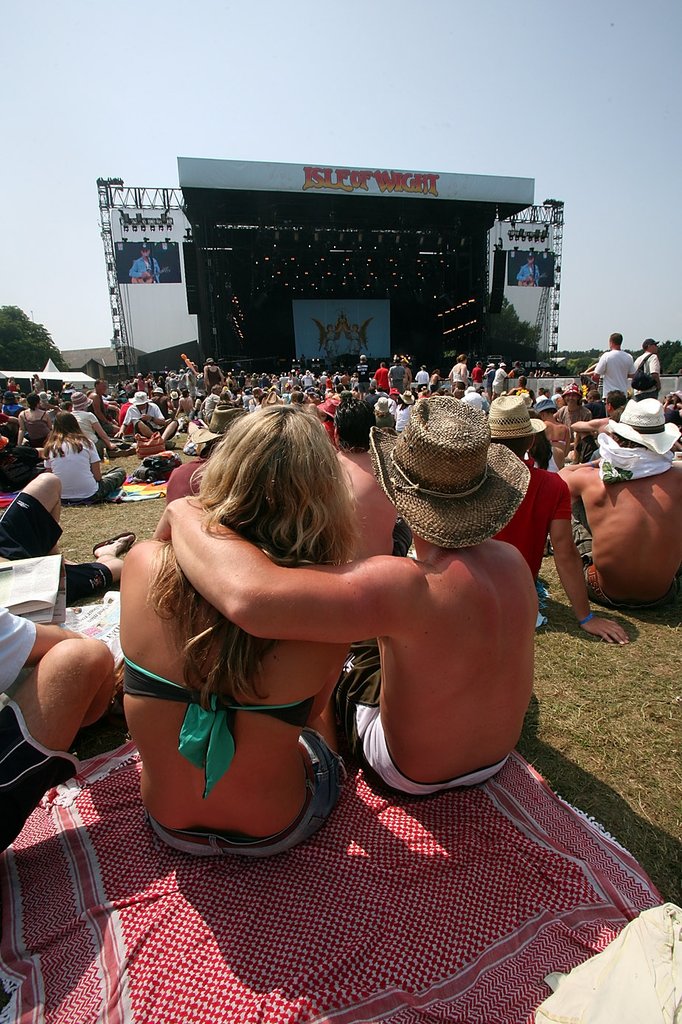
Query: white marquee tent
column 50, row 373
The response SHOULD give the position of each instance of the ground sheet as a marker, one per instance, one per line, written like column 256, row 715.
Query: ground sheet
column 451, row 909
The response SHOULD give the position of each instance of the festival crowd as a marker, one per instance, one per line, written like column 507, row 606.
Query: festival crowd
column 328, row 536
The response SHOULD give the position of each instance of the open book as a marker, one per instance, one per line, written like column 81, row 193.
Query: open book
column 34, row 588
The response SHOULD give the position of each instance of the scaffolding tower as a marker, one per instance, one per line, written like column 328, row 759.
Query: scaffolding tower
column 114, row 195
column 549, row 218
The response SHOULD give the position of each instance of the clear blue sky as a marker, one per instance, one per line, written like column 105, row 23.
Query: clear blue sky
column 585, row 97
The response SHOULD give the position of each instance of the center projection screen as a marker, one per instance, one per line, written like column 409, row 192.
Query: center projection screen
column 327, row 328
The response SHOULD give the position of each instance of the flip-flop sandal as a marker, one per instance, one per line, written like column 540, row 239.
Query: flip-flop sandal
column 112, row 540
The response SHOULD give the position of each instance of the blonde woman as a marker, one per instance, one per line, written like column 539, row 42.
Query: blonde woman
column 221, row 718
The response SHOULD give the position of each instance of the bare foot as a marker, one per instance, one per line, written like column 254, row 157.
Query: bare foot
column 115, row 547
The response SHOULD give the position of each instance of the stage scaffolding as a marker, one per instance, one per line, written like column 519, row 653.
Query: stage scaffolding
column 153, row 206
column 543, row 226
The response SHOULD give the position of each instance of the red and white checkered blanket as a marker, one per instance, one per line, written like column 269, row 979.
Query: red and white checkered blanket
column 447, row 909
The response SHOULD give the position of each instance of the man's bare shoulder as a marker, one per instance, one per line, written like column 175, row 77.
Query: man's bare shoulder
column 581, row 478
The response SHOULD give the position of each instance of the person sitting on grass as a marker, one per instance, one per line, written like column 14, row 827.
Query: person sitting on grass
column 223, row 720
column 380, row 532
column 626, row 511
column 30, row 528
column 79, row 406
column 546, row 509
column 417, row 719
column 69, row 684
column 34, row 423
column 73, row 458
column 146, row 418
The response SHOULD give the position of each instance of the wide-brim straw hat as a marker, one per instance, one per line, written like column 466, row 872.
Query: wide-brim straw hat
column 644, row 423
column 509, row 418
column 223, row 417
column 444, row 477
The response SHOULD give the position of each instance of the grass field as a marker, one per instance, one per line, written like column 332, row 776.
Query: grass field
column 603, row 726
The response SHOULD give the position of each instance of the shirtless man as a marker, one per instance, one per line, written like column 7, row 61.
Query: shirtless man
column 446, row 721
column 627, row 528
column 379, row 532
column 99, row 408
column 558, row 434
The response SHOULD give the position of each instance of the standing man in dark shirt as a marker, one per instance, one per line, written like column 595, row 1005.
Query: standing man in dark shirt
column 212, row 375
column 362, row 370
column 396, row 375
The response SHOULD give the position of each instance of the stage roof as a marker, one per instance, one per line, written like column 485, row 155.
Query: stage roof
column 262, row 193
column 266, row 177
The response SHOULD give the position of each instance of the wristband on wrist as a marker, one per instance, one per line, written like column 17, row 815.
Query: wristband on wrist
column 586, row 619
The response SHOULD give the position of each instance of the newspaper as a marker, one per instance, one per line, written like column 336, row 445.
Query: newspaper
column 100, row 621
column 34, row 588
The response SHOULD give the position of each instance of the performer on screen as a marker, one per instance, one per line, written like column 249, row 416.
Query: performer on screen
column 145, row 269
column 529, row 275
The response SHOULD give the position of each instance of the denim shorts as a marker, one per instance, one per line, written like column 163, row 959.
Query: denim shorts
column 324, row 789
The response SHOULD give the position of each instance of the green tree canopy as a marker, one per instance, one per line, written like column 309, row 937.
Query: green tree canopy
column 511, row 336
column 23, row 344
column 670, row 354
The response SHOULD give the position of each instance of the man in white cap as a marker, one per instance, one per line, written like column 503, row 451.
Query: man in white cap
column 145, row 418
column 626, row 510
column 418, row 720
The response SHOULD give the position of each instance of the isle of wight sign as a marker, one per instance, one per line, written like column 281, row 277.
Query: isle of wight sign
column 370, row 181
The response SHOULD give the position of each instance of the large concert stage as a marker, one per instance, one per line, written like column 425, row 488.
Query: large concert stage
column 286, row 261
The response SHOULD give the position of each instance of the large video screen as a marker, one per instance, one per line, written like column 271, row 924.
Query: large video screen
column 527, row 269
column 327, row 328
column 147, row 262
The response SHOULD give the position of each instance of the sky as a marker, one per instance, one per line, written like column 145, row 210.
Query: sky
column 583, row 96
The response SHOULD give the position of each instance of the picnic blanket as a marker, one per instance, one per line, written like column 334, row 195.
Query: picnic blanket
column 132, row 490
column 453, row 908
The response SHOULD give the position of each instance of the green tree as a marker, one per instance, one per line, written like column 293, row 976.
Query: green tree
column 670, row 354
column 23, row 344
column 507, row 332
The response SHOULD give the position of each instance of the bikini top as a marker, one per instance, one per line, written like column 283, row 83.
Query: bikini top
column 207, row 734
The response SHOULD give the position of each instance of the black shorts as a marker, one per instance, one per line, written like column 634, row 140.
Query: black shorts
column 27, row 530
column 27, row 771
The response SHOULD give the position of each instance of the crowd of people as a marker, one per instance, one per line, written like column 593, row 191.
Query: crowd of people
column 310, row 567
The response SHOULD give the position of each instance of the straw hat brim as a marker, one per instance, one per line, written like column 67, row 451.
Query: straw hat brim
column 454, row 522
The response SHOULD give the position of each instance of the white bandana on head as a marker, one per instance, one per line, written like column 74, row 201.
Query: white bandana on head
column 618, row 464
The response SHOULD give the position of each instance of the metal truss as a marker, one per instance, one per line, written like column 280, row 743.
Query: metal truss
column 121, row 339
column 124, row 197
column 549, row 219
column 114, row 195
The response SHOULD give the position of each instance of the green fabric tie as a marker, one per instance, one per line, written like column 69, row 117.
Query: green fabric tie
column 613, row 475
column 207, row 742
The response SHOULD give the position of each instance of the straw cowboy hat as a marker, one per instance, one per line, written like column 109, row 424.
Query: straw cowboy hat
column 644, row 423
column 445, row 478
column 509, row 417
